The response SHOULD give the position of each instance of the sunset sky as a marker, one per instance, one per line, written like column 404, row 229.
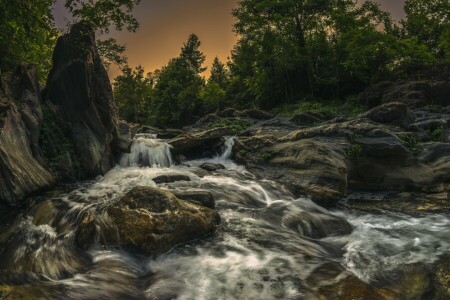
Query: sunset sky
column 166, row 24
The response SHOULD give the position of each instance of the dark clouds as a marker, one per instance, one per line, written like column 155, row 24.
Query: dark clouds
column 166, row 24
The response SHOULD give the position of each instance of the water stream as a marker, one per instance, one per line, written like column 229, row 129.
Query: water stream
column 268, row 245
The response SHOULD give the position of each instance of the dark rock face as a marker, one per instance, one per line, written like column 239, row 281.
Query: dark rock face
column 196, row 143
column 414, row 92
column 79, row 92
column 326, row 161
column 170, row 178
column 20, row 121
column 153, row 220
column 210, row 167
column 125, row 134
column 395, row 113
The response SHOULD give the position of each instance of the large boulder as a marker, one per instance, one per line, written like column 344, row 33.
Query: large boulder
column 124, row 138
column 395, row 113
column 309, row 166
column 79, row 92
column 21, row 172
column 153, row 220
column 195, row 144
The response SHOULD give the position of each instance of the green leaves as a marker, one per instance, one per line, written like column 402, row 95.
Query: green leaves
column 104, row 14
column 27, row 34
column 133, row 94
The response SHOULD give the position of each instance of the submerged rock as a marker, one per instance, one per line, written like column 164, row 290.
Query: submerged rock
column 170, row 178
column 210, row 167
column 20, row 121
column 152, row 220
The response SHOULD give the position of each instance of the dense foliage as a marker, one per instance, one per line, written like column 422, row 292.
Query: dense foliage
column 28, row 33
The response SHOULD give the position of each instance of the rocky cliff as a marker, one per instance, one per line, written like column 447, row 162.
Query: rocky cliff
column 80, row 94
column 21, row 172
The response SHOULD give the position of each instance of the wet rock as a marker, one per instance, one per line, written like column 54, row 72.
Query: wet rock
column 170, row 178
column 80, row 94
column 20, row 121
column 331, row 281
column 308, row 166
column 441, row 280
column 210, row 167
column 395, row 113
column 411, row 282
column 86, row 232
column 125, row 133
column 317, row 225
column 153, row 220
column 199, row 197
column 193, row 144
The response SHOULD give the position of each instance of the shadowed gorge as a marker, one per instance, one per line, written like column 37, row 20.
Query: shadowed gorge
column 314, row 163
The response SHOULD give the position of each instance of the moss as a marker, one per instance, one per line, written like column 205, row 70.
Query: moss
column 349, row 108
column 266, row 155
column 242, row 153
column 235, row 125
column 355, row 149
column 411, row 142
column 437, row 134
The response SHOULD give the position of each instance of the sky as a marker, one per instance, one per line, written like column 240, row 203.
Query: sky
column 166, row 24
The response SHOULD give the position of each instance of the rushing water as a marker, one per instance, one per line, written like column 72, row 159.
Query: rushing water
column 268, row 245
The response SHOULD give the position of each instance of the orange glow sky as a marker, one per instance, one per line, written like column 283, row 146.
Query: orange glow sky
column 166, row 24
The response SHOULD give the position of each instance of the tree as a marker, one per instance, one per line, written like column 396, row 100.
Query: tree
column 176, row 95
column 112, row 53
column 292, row 49
column 219, row 74
column 132, row 92
column 427, row 20
column 213, row 96
column 27, row 34
column 104, row 15
column 444, row 42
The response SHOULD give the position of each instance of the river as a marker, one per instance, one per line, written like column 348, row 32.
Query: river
column 268, row 246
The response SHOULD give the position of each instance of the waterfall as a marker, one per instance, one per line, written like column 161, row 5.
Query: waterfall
column 147, row 151
column 227, row 148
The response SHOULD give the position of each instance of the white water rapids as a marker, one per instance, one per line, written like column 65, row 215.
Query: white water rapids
column 267, row 246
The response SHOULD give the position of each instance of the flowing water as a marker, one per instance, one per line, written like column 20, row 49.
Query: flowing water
column 268, row 246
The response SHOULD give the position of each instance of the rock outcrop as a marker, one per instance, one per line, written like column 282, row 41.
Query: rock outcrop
column 79, row 92
column 21, row 172
column 195, row 144
column 382, row 150
column 394, row 113
column 153, row 221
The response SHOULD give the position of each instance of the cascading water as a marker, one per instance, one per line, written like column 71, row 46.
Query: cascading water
column 268, row 246
column 147, row 151
column 227, row 148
